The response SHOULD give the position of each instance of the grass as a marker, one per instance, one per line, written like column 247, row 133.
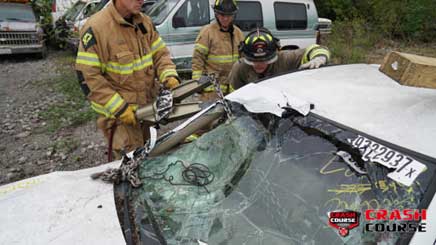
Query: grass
column 74, row 110
column 354, row 42
column 382, row 48
column 65, row 145
column 350, row 41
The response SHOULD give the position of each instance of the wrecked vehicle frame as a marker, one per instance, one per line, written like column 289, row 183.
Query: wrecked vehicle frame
column 263, row 179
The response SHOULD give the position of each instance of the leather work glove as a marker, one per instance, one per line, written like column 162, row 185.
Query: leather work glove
column 314, row 63
column 128, row 116
column 171, row 83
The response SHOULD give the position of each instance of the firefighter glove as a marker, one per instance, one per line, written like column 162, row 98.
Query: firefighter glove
column 171, row 83
column 314, row 63
column 128, row 116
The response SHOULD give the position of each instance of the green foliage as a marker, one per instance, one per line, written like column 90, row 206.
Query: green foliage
column 61, row 33
column 401, row 19
column 350, row 41
column 74, row 110
column 42, row 9
column 55, row 35
column 65, row 145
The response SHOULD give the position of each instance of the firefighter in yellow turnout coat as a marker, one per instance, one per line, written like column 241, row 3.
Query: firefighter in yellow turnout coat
column 119, row 57
column 216, row 47
column 262, row 58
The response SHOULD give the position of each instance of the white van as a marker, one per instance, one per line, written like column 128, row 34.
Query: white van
column 294, row 22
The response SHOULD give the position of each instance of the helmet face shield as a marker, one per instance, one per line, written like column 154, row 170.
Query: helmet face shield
column 251, row 62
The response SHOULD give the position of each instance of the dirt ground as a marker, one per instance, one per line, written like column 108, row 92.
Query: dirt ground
column 26, row 147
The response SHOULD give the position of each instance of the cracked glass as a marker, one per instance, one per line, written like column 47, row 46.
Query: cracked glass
column 265, row 180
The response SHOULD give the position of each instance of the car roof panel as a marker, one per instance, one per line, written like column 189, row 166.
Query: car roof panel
column 361, row 97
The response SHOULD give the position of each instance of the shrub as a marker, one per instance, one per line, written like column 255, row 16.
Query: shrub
column 350, row 41
column 42, row 8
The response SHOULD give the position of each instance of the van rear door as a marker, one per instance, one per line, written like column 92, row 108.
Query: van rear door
column 292, row 21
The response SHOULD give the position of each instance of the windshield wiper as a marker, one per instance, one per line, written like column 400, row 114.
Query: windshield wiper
column 17, row 19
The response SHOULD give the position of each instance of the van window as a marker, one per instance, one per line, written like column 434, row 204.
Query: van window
column 290, row 16
column 160, row 10
column 249, row 15
column 192, row 13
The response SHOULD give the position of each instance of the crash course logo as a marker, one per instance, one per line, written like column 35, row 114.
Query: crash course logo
column 379, row 220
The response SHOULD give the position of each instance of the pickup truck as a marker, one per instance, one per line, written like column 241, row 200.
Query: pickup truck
column 19, row 30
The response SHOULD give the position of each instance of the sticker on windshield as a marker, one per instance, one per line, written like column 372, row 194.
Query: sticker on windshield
column 406, row 168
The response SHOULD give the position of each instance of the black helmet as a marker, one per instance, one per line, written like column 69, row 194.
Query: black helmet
column 259, row 46
column 225, row 7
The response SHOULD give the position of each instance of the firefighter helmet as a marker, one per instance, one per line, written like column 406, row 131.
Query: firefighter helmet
column 259, row 46
column 225, row 7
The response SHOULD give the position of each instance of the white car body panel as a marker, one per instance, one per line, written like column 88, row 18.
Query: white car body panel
column 60, row 208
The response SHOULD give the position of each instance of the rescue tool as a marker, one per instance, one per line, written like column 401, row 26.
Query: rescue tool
column 168, row 107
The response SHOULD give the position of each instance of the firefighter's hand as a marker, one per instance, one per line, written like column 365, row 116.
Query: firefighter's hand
column 128, row 116
column 314, row 63
column 171, row 83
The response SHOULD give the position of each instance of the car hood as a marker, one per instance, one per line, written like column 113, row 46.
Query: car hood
column 17, row 26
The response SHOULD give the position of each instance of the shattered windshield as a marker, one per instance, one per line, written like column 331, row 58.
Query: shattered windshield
column 262, row 180
column 12, row 12
column 160, row 10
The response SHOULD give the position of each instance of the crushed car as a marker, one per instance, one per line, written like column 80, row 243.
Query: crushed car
column 272, row 171
column 93, row 7
column 65, row 33
column 311, row 144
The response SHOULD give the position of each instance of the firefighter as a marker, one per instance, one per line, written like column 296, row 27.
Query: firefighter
column 216, row 47
column 120, row 57
column 261, row 58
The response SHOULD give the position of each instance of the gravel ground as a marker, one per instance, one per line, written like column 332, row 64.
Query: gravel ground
column 26, row 147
